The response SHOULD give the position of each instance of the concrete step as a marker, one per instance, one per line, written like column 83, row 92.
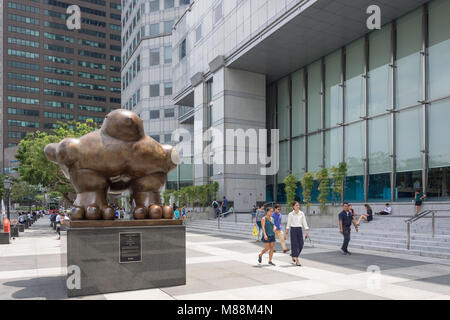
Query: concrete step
column 376, row 238
column 434, row 254
column 363, row 230
column 389, row 235
column 399, row 243
column 371, row 245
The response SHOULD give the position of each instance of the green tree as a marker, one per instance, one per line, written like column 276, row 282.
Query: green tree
column 191, row 193
column 214, row 188
column 23, row 192
column 324, row 187
column 203, row 195
column 34, row 167
column 2, row 187
column 307, row 182
column 290, row 183
column 176, row 196
column 338, row 175
column 166, row 196
column 183, row 197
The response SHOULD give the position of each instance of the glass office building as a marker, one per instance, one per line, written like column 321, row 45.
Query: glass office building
column 381, row 104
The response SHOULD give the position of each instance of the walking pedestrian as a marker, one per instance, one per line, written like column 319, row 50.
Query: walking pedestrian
column 259, row 215
column 268, row 228
column 254, row 212
column 277, row 217
column 345, row 223
column 58, row 225
column 295, row 225
column 224, row 204
column 419, row 196
column 184, row 213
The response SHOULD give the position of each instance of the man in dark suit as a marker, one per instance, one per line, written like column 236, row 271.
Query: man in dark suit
column 345, row 224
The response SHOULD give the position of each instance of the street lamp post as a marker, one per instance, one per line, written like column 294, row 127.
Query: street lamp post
column 7, row 183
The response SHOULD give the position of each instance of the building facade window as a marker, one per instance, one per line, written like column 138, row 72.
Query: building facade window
column 154, row 90
column 154, row 114
column 167, row 55
column 393, row 136
column 154, row 57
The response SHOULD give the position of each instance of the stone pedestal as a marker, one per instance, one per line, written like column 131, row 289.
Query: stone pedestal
column 26, row 225
column 21, row 227
column 116, row 256
column 4, row 237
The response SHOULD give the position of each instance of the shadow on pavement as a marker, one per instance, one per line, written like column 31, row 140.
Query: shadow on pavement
column 49, row 288
column 360, row 262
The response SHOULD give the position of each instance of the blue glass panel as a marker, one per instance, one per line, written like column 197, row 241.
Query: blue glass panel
column 380, row 187
column 354, row 189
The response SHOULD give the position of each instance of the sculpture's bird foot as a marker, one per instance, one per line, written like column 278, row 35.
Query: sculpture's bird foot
column 167, row 213
column 93, row 212
column 108, row 213
column 77, row 213
column 140, row 213
column 155, row 212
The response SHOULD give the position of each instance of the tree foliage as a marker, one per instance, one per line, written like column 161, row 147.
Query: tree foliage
column 338, row 175
column 183, row 197
column 214, row 188
column 307, row 182
column 324, row 186
column 35, row 169
column 23, row 192
column 203, row 195
column 192, row 195
column 166, row 196
column 290, row 183
column 2, row 187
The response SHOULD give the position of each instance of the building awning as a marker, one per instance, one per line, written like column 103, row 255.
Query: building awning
column 310, row 32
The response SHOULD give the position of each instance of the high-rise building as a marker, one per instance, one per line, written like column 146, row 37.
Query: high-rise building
column 51, row 73
column 147, row 70
column 337, row 87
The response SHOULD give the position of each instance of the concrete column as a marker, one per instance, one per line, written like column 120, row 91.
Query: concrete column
column 200, row 126
column 239, row 109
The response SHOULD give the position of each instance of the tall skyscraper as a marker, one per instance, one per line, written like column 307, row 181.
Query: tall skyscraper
column 51, row 73
column 147, row 68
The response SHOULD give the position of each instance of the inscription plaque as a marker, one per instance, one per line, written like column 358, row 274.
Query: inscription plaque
column 130, row 246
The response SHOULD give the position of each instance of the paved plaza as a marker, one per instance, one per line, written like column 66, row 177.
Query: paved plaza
column 226, row 268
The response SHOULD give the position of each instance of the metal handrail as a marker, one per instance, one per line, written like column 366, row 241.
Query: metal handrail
column 418, row 217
